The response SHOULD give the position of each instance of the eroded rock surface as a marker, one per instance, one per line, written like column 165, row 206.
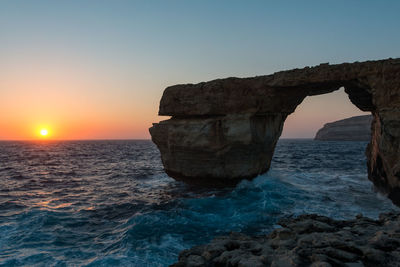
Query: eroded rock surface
column 356, row 128
column 309, row 240
column 226, row 130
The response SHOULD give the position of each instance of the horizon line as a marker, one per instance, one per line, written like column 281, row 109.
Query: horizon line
column 109, row 139
column 94, row 139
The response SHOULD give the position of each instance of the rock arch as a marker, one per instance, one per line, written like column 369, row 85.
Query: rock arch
column 225, row 130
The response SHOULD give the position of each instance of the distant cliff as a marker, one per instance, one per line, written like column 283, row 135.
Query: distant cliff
column 351, row 129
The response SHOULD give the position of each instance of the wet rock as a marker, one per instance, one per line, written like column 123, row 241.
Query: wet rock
column 195, row 261
column 320, row 264
column 337, row 243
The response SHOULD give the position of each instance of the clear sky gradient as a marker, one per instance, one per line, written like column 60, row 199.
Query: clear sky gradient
column 97, row 69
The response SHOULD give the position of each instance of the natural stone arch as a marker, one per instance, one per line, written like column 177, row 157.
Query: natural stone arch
column 226, row 130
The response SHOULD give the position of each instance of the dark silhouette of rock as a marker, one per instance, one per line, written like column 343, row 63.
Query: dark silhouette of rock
column 226, row 130
column 351, row 129
column 309, row 240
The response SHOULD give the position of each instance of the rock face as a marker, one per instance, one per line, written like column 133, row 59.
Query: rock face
column 351, row 129
column 226, row 130
column 309, row 240
column 217, row 150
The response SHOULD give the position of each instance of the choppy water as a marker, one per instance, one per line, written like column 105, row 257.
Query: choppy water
column 110, row 203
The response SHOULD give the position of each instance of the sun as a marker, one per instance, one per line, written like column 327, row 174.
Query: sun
column 44, row 132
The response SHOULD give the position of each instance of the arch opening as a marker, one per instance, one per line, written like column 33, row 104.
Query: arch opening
column 316, row 110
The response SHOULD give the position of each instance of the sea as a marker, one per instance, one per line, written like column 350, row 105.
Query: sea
column 110, row 203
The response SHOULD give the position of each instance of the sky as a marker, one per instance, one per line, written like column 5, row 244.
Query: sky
column 97, row 69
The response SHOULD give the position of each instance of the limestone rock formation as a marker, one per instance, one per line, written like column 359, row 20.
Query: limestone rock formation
column 356, row 128
column 225, row 130
column 309, row 240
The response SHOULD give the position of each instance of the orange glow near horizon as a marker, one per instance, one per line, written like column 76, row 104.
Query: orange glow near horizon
column 72, row 104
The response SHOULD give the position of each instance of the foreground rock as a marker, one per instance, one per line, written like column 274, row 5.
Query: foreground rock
column 309, row 240
column 226, row 130
column 351, row 129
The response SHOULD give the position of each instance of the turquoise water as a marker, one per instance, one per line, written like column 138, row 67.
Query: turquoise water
column 107, row 203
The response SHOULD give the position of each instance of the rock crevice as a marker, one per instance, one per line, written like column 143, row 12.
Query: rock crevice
column 226, row 130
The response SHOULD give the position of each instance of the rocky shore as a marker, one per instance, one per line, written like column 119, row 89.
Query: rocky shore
column 308, row 240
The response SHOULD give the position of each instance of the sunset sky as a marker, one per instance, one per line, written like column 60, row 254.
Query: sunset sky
column 97, row 69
